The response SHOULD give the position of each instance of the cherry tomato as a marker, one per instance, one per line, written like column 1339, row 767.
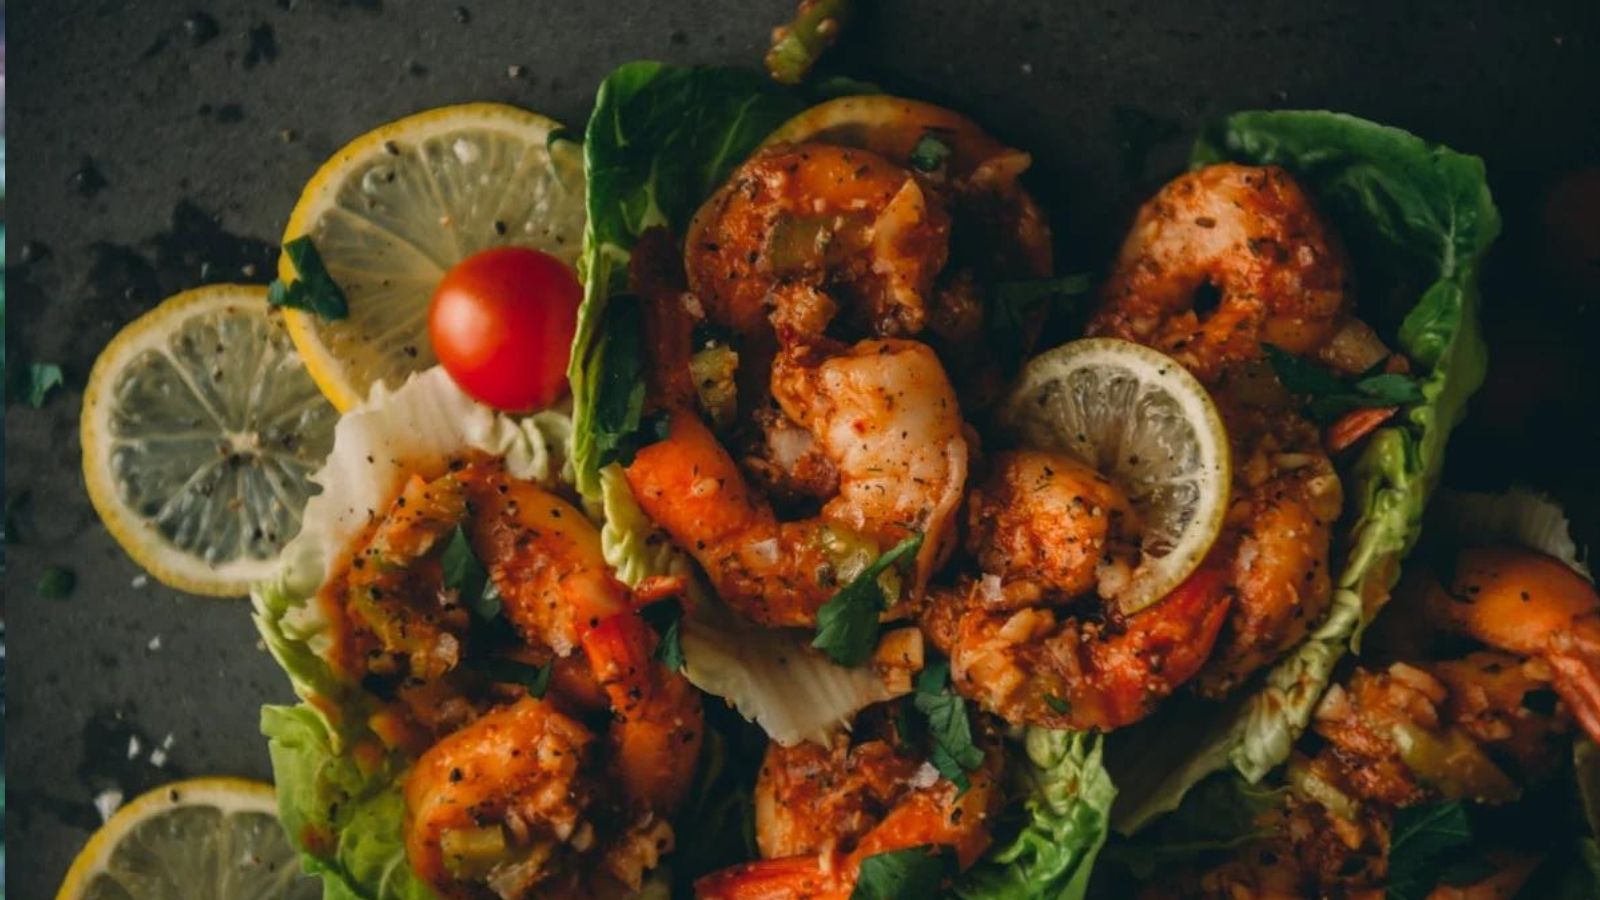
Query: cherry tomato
column 501, row 324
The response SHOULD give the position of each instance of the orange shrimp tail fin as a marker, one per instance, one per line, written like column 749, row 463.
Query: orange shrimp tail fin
column 1575, row 659
column 813, row 877
column 656, row 713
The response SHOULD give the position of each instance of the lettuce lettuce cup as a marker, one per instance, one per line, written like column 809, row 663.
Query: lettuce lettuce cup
column 485, row 713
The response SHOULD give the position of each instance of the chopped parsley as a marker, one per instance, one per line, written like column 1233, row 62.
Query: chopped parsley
column 953, row 752
column 1330, row 396
column 847, row 625
column 56, row 582
column 929, row 153
column 666, row 617
column 38, row 381
column 465, row 574
column 916, row 873
column 1013, row 305
column 1422, row 843
column 314, row 291
column 509, row 671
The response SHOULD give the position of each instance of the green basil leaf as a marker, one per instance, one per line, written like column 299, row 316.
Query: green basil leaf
column 1331, row 396
column 916, row 873
column 847, row 625
column 314, row 291
column 1300, row 376
column 1060, row 706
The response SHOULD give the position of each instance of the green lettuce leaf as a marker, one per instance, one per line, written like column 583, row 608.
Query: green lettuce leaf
column 347, row 822
column 1418, row 219
column 1068, row 807
column 660, row 140
column 345, row 815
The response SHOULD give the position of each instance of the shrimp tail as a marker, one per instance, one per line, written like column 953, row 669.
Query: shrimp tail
column 1574, row 659
column 810, row 876
column 656, row 719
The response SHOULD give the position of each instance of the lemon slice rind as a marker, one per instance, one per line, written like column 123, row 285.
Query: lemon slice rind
column 279, row 450
column 246, row 869
column 1137, row 416
column 394, row 209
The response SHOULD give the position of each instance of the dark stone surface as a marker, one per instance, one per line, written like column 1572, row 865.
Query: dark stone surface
column 153, row 147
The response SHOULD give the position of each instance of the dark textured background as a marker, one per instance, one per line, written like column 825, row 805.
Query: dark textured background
column 144, row 161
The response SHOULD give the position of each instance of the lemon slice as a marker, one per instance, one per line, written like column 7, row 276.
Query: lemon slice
column 200, row 432
column 1138, row 417
column 216, row 838
column 397, row 207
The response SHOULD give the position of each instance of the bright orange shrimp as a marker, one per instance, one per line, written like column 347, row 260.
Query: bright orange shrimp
column 1275, row 541
column 821, row 811
column 795, row 219
column 1254, row 236
column 1045, row 529
column 1533, row 605
column 556, row 589
column 885, row 414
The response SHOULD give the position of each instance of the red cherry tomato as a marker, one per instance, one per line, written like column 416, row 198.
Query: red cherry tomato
column 501, row 324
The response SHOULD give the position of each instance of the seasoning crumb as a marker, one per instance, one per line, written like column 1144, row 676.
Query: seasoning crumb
column 154, row 644
column 106, row 802
column 139, row 581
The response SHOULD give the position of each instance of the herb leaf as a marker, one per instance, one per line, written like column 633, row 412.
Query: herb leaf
column 39, row 379
column 56, row 582
column 509, row 671
column 666, row 617
column 1332, row 396
column 314, row 290
column 1423, row 837
column 1012, row 305
column 929, row 153
column 620, row 426
column 1060, row 706
column 847, row 625
column 465, row 574
column 915, row 873
column 954, row 753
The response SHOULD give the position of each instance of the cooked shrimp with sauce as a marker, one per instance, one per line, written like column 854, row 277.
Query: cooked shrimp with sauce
column 1029, row 638
column 882, row 416
column 515, row 795
column 820, row 810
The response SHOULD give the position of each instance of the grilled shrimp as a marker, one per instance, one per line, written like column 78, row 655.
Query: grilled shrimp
column 1253, row 236
column 821, row 810
column 1275, row 541
column 1408, row 734
column 800, row 230
column 1044, row 529
column 545, row 558
column 516, row 805
column 881, row 412
column 1533, row 605
column 525, row 797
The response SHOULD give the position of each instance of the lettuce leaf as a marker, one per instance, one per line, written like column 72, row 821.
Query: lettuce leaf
column 343, row 808
column 1068, row 809
column 661, row 139
column 1418, row 220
